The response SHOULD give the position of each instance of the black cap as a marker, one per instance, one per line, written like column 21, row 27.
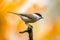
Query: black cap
column 39, row 14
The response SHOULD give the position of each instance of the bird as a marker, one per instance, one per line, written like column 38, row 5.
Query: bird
column 29, row 18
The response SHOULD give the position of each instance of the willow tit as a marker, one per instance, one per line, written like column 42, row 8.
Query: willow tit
column 29, row 18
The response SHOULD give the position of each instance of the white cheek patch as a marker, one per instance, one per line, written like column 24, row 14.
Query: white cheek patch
column 36, row 16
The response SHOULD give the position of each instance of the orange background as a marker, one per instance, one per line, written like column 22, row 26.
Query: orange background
column 11, row 25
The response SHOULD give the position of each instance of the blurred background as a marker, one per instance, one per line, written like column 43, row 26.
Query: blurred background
column 47, row 28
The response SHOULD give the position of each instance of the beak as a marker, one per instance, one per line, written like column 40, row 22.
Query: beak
column 41, row 17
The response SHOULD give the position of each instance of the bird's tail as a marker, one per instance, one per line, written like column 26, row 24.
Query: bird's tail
column 13, row 13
